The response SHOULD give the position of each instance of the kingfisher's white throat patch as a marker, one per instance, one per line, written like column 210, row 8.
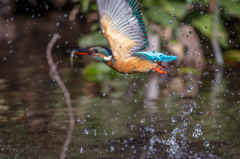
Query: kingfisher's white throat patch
column 108, row 58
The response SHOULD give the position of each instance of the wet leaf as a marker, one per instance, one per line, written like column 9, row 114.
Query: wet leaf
column 85, row 6
column 94, row 27
column 93, row 39
column 188, row 70
column 178, row 8
column 233, row 55
column 162, row 17
column 232, row 7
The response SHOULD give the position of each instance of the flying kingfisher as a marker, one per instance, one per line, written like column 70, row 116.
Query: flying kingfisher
column 122, row 24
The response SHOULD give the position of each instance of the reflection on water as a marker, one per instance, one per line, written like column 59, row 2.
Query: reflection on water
column 118, row 117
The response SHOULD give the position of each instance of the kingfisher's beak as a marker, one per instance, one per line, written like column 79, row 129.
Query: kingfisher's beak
column 80, row 51
column 83, row 52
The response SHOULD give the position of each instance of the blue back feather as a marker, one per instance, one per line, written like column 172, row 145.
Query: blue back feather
column 155, row 56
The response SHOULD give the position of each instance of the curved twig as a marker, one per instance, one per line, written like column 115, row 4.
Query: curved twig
column 55, row 76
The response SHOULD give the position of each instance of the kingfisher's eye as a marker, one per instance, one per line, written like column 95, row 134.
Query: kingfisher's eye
column 94, row 51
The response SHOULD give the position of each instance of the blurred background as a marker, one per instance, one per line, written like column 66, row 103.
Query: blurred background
column 192, row 111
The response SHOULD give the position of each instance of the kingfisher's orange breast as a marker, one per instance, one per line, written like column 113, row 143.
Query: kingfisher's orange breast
column 132, row 65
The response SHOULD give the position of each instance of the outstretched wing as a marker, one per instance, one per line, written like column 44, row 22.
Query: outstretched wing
column 122, row 24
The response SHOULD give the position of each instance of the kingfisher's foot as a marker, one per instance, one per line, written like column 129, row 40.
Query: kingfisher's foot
column 158, row 70
column 160, row 64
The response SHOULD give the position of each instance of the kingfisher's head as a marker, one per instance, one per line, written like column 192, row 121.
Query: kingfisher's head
column 101, row 54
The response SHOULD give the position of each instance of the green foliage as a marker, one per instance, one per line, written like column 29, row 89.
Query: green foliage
column 85, row 6
column 99, row 72
column 93, row 39
column 205, row 24
column 94, row 27
column 164, row 19
column 232, row 7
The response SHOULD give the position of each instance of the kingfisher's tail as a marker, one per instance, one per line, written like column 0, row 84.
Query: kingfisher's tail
column 156, row 56
column 163, row 57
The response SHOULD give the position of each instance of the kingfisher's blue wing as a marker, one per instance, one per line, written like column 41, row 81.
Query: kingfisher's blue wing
column 122, row 24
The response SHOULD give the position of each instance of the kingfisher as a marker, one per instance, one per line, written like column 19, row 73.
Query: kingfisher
column 122, row 24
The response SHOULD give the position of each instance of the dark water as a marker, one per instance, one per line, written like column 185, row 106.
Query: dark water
column 115, row 117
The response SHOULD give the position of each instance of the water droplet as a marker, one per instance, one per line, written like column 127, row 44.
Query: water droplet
column 190, row 110
column 104, row 94
column 201, row 12
column 170, row 21
column 195, row 135
column 205, row 27
column 143, row 120
column 190, row 89
column 86, row 131
column 206, row 144
column 79, row 120
column 190, row 32
column 153, row 51
column 174, row 120
column 88, row 115
column 152, row 119
column 112, row 148
column 81, row 150
column 220, row 37
column 151, row 130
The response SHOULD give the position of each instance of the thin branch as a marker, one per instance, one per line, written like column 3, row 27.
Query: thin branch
column 55, row 76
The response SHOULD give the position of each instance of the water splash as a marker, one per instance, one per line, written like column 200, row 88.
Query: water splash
column 180, row 148
column 197, row 131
